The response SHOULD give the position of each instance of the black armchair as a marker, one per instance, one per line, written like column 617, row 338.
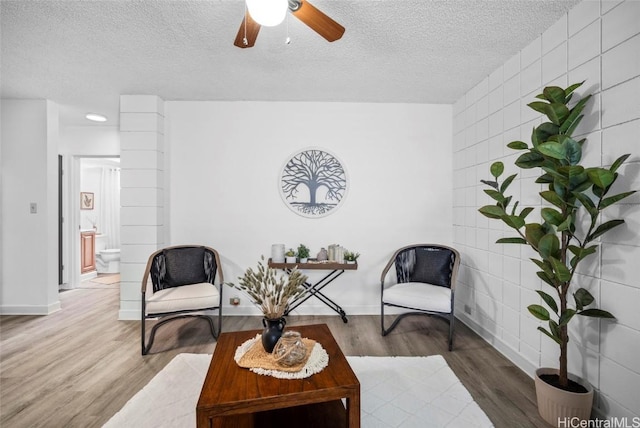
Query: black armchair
column 426, row 277
column 182, row 285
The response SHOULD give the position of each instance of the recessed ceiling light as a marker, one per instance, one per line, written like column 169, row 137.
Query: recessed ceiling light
column 96, row 117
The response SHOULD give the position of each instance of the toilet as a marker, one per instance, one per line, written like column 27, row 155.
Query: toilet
column 107, row 259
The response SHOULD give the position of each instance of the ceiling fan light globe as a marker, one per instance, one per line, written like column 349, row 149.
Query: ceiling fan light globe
column 267, row 12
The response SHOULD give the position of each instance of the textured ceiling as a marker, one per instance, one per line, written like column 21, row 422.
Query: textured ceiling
column 84, row 54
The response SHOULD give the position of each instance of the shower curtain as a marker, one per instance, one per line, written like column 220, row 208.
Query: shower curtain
column 110, row 207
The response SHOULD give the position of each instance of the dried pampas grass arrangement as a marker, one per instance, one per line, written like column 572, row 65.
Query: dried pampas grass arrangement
column 272, row 295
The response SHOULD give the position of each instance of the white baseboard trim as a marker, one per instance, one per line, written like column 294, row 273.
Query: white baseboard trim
column 30, row 309
column 129, row 315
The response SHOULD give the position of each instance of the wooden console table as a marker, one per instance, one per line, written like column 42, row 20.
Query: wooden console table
column 336, row 269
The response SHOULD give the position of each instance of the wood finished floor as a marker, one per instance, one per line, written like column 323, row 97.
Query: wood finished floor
column 79, row 366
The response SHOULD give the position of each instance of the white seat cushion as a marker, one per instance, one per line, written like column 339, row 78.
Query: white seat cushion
column 419, row 295
column 183, row 298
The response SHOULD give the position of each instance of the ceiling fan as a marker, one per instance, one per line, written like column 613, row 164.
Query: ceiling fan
column 301, row 9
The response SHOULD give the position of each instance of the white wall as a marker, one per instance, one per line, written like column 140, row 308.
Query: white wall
column 224, row 159
column 29, row 282
column 93, row 140
column 599, row 42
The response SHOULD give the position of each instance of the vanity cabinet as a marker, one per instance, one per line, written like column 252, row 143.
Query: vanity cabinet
column 87, row 252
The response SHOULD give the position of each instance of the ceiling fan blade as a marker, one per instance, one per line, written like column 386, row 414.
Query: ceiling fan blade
column 318, row 21
column 247, row 33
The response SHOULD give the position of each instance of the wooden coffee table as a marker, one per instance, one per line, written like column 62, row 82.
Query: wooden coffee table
column 234, row 396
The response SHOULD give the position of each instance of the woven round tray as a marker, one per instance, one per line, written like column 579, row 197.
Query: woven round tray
column 251, row 355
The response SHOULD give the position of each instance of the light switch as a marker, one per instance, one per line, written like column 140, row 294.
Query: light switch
column 33, row 208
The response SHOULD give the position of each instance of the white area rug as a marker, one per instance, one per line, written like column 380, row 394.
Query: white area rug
column 395, row 392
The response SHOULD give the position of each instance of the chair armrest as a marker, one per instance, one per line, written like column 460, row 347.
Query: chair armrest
column 147, row 271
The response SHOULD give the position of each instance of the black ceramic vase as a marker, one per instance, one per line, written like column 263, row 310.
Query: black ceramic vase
column 272, row 331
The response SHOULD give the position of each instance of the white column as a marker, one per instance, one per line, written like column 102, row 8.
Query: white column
column 142, row 193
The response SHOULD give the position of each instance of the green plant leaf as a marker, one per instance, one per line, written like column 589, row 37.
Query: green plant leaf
column 562, row 273
column 582, row 298
column 514, row 240
column 566, row 316
column 545, row 266
column 539, row 106
column 493, row 184
column 596, row 313
column 554, row 94
column 577, row 188
column 539, row 312
column 497, row 168
column 618, row 162
column 587, row 203
column 518, row 145
column 515, row 206
column 492, row 211
column 525, row 212
column 575, row 116
column 544, row 178
column 573, row 151
column 513, row 220
column 567, row 224
column 597, row 191
column 613, row 199
column 494, row 194
column 556, row 112
column 581, row 253
column 554, row 338
column 530, row 160
column 572, row 88
column 553, row 198
column 553, row 149
column 546, row 278
column 555, row 328
column 550, row 301
column 544, row 132
column 507, row 182
column 533, row 233
column 552, row 216
column 601, row 177
column 604, row 227
column 548, row 247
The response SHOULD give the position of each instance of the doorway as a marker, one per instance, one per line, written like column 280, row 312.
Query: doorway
column 97, row 177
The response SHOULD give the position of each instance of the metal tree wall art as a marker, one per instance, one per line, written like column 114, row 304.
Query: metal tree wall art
column 313, row 183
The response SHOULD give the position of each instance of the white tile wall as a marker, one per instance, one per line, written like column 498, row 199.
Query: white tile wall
column 584, row 45
column 620, row 23
column 620, row 103
column 582, row 15
column 554, row 63
column 598, row 41
column 621, row 63
column 555, row 35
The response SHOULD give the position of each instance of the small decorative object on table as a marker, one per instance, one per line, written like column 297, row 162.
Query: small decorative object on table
column 322, row 255
column 290, row 349
column 303, row 253
column 290, row 256
column 351, row 257
column 277, row 253
column 273, row 296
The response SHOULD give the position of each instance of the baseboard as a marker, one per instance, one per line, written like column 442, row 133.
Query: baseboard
column 129, row 314
column 30, row 309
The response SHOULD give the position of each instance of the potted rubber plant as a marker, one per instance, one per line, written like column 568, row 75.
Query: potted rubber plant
column 563, row 237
